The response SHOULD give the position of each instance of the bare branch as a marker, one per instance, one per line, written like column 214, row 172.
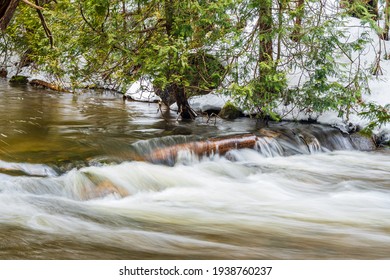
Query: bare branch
column 33, row 5
column 44, row 24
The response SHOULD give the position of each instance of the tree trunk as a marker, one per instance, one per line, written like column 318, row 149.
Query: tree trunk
column 296, row 34
column 177, row 90
column 184, row 109
column 7, row 10
column 265, row 29
column 386, row 29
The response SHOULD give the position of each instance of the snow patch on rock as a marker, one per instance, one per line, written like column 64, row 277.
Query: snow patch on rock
column 142, row 90
column 207, row 102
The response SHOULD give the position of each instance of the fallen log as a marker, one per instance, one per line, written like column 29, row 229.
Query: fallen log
column 47, row 85
column 220, row 145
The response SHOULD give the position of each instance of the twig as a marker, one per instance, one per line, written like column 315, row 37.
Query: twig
column 212, row 115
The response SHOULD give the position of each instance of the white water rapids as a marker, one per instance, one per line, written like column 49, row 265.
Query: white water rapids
column 324, row 205
column 71, row 189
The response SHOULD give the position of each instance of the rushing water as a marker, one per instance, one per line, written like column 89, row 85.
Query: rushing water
column 70, row 187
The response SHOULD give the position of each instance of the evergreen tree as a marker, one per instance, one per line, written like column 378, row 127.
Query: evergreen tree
column 248, row 49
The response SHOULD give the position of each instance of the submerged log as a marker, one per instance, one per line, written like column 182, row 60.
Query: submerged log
column 220, row 145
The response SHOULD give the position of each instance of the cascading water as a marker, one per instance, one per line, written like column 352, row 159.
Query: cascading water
column 74, row 185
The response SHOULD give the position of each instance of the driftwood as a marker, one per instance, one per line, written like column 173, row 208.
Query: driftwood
column 47, row 85
column 220, row 145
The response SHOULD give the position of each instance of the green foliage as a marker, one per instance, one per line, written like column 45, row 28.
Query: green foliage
column 204, row 73
column 376, row 114
column 261, row 95
column 360, row 8
column 245, row 48
column 20, row 80
column 332, row 84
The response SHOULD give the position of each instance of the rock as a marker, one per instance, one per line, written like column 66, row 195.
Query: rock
column 362, row 142
column 18, row 80
column 383, row 139
column 181, row 130
column 142, row 90
column 229, row 111
column 207, row 102
column 105, row 188
column 346, row 128
column 265, row 132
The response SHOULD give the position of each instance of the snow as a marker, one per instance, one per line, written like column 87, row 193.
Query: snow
column 379, row 85
column 142, row 90
column 207, row 102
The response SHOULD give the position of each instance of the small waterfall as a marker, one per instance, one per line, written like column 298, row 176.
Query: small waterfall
column 269, row 147
column 13, row 168
column 285, row 140
column 129, row 178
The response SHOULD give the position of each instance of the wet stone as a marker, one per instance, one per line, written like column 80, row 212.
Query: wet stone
column 362, row 142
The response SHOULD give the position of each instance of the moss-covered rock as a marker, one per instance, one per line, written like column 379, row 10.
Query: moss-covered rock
column 229, row 111
column 181, row 130
column 19, row 80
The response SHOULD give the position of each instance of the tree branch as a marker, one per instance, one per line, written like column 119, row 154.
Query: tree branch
column 44, row 25
column 33, row 5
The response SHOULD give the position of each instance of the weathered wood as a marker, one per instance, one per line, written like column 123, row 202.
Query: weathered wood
column 220, row 146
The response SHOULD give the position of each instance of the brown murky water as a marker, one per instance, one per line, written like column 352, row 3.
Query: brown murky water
column 283, row 201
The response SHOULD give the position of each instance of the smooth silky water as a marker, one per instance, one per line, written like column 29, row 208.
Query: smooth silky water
column 71, row 186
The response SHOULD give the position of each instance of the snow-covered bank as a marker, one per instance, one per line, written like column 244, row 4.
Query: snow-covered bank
column 142, row 90
column 376, row 50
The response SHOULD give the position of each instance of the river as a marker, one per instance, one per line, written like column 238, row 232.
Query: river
column 70, row 187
